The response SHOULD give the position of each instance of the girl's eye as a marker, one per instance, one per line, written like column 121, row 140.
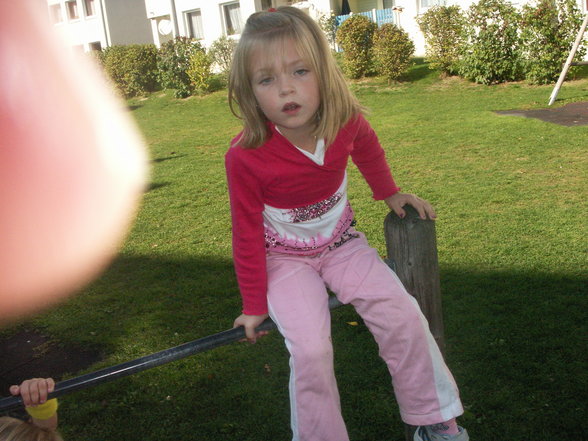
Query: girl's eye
column 265, row 80
column 301, row 72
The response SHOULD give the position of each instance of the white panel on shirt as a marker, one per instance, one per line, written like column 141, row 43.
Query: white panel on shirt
column 315, row 221
column 319, row 152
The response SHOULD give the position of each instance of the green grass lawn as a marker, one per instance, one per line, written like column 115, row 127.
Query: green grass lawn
column 511, row 197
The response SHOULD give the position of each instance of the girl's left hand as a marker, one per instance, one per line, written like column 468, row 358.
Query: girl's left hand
column 399, row 200
column 34, row 391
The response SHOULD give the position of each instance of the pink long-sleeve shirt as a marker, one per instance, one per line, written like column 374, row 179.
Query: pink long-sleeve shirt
column 277, row 175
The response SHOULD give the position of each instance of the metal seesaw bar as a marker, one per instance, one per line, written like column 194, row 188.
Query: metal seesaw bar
column 149, row 361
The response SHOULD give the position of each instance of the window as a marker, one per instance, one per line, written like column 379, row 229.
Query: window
column 72, row 10
column 232, row 15
column 194, row 22
column 266, row 4
column 90, row 8
column 55, row 12
column 389, row 4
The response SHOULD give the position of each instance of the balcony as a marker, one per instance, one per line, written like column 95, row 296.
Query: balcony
column 379, row 16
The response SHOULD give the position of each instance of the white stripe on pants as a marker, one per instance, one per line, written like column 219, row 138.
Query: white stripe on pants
column 425, row 390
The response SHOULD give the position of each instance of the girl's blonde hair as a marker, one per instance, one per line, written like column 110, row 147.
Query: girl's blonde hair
column 12, row 429
column 337, row 103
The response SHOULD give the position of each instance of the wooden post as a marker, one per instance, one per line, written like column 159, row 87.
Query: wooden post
column 412, row 245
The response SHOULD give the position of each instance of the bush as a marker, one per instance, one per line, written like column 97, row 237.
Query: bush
column 200, row 72
column 443, row 28
column 328, row 24
column 355, row 36
column 492, row 53
column 221, row 52
column 217, row 82
column 393, row 50
column 132, row 68
column 548, row 32
column 173, row 62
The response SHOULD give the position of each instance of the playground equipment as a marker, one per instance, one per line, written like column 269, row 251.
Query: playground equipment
column 569, row 62
column 412, row 253
column 148, row 361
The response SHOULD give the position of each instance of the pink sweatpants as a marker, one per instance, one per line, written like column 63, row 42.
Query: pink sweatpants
column 298, row 303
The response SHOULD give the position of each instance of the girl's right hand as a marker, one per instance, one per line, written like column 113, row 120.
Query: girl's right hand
column 250, row 322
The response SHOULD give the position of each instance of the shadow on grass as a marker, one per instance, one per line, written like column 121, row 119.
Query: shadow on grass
column 514, row 338
column 419, row 71
column 156, row 185
column 152, row 302
column 167, row 158
column 516, row 343
column 168, row 294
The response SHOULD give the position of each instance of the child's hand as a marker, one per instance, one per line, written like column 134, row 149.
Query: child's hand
column 34, row 391
column 250, row 322
column 399, row 200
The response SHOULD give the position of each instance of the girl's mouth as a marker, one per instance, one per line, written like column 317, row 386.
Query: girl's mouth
column 290, row 107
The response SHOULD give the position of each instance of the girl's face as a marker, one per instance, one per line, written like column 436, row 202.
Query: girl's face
column 286, row 89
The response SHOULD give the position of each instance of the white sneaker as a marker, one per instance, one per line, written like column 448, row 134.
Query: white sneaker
column 425, row 433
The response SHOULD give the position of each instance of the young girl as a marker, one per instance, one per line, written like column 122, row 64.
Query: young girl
column 293, row 232
column 43, row 422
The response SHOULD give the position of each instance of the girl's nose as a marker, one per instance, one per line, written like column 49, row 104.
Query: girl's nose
column 286, row 87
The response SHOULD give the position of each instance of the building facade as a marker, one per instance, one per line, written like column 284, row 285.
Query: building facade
column 407, row 12
column 97, row 24
column 207, row 20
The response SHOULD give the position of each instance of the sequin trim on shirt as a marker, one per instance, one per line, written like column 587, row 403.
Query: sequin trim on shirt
column 345, row 237
column 313, row 211
column 310, row 246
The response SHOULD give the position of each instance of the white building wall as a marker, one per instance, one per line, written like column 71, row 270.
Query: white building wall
column 84, row 30
column 212, row 18
column 141, row 21
column 112, row 22
column 213, row 21
column 411, row 9
column 210, row 10
column 126, row 22
column 157, row 8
